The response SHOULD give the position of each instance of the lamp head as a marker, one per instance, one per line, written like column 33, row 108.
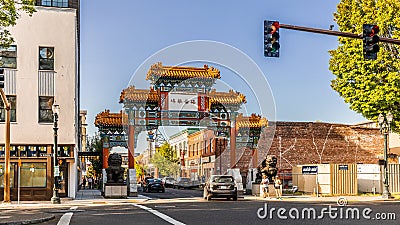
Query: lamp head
column 56, row 109
column 381, row 119
column 389, row 117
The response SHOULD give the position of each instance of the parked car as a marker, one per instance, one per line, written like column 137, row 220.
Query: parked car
column 155, row 185
column 220, row 186
column 185, row 182
column 169, row 181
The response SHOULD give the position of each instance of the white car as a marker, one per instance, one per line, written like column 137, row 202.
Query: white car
column 169, row 181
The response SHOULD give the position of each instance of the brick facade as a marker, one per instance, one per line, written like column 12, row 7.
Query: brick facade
column 314, row 142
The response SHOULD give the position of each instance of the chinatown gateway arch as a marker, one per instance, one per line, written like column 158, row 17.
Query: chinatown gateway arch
column 183, row 96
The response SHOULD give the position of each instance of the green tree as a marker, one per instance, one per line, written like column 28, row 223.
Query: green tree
column 165, row 166
column 167, row 152
column 94, row 144
column 140, row 171
column 370, row 87
column 9, row 13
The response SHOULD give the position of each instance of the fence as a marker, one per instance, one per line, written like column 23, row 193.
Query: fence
column 338, row 179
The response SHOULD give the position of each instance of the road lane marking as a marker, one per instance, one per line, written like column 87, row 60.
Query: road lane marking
column 143, row 196
column 161, row 215
column 66, row 218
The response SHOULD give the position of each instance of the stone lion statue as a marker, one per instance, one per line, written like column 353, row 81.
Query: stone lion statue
column 115, row 173
column 268, row 167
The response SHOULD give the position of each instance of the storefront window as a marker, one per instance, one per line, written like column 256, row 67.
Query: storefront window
column 42, row 150
column 2, row 171
column 32, row 151
column 33, row 175
column 13, row 151
column 64, row 151
column 22, row 151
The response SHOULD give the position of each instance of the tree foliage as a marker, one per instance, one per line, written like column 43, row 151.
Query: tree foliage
column 167, row 152
column 370, row 87
column 94, row 144
column 165, row 160
column 9, row 13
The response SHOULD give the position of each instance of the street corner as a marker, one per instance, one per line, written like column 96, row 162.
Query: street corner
column 12, row 216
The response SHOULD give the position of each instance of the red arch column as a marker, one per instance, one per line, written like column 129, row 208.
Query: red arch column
column 131, row 147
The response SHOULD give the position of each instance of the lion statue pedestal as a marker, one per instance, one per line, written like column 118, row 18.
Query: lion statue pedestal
column 115, row 187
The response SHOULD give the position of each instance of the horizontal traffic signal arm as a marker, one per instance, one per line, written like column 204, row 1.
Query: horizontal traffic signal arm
column 336, row 33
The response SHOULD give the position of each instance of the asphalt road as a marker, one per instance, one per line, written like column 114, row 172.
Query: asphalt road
column 171, row 193
column 187, row 207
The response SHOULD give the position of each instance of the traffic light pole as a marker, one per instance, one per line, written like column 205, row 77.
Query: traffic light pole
column 7, row 192
column 335, row 33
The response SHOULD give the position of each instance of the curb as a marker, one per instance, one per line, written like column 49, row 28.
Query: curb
column 33, row 221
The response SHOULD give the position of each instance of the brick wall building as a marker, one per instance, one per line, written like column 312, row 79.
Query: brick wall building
column 296, row 143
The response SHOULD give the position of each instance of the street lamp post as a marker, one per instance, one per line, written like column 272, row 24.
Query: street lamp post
column 384, row 124
column 55, row 199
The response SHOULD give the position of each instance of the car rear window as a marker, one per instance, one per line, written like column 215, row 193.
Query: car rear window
column 223, row 180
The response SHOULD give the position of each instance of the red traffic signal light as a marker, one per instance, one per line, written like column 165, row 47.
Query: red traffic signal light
column 370, row 41
column 1, row 77
column 271, row 38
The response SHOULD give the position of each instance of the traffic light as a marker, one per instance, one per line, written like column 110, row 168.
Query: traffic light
column 370, row 41
column 1, row 78
column 271, row 38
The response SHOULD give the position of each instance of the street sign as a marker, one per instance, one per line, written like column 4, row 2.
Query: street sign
column 56, row 171
column 309, row 169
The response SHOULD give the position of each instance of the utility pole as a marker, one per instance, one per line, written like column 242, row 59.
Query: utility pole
column 7, row 192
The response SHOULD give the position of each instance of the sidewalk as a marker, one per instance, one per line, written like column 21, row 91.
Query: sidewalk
column 28, row 212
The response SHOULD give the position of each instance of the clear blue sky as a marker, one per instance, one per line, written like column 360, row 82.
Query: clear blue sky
column 117, row 36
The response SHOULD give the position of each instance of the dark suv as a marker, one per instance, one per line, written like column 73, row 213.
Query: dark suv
column 220, row 186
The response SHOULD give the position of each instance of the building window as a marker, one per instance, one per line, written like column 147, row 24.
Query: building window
column 2, row 168
column 45, row 110
column 32, row 151
column 42, row 151
column 46, row 58
column 56, row 3
column 64, row 151
column 13, row 111
column 33, row 175
column 22, row 151
column 13, row 151
column 8, row 57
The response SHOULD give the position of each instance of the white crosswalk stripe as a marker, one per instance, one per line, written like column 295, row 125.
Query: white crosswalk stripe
column 66, row 218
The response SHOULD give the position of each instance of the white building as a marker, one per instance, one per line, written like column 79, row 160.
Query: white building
column 41, row 69
column 178, row 143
